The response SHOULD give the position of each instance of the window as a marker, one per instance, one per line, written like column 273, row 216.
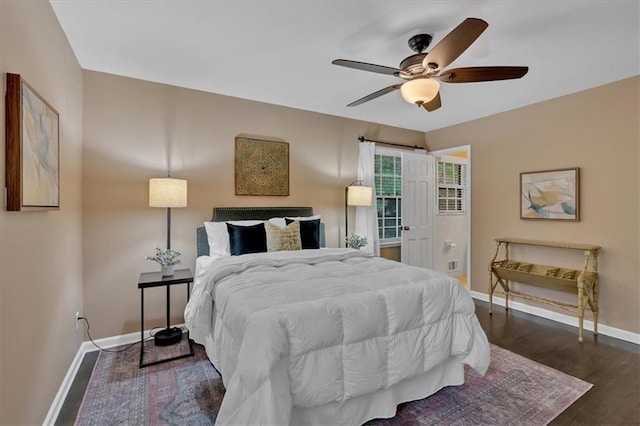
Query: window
column 452, row 180
column 388, row 182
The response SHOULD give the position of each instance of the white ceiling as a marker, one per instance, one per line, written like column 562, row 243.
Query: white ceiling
column 280, row 52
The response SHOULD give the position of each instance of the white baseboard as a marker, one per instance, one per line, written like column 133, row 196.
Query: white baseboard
column 87, row 346
column 606, row 330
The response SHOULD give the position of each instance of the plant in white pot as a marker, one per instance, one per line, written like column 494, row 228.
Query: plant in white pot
column 356, row 241
column 167, row 259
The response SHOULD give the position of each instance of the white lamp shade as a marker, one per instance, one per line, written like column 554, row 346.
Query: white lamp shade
column 420, row 90
column 359, row 195
column 167, row 192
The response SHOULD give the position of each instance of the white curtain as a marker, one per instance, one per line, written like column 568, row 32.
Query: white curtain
column 367, row 217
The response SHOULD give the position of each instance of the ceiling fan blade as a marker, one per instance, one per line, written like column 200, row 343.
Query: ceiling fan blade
column 433, row 104
column 380, row 69
column 374, row 95
column 454, row 43
column 473, row 74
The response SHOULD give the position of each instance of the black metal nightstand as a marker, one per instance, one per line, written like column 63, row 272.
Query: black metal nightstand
column 169, row 335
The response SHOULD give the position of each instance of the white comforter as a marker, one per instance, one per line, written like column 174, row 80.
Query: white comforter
column 310, row 327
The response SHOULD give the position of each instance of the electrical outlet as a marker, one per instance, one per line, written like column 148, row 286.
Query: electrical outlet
column 77, row 320
column 453, row 265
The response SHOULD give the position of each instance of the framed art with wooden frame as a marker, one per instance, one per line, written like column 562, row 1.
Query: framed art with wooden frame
column 550, row 194
column 32, row 149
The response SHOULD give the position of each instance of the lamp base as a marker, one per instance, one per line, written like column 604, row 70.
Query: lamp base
column 168, row 336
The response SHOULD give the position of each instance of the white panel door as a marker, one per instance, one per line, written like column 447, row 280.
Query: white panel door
column 418, row 184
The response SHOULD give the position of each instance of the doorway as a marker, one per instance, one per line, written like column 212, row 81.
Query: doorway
column 437, row 238
column 452, row 213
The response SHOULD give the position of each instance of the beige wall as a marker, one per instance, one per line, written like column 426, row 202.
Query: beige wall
column 596, row 130
column 135, row 130
column 40, row 252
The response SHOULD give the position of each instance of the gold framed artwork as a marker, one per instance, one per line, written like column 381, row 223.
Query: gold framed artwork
column 32, row 149
column 550, row 194
column 261, row 167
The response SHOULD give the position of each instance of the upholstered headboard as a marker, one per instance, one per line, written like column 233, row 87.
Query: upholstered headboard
column 223, row 214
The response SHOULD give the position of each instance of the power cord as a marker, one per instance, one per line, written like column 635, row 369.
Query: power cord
column 151, row 335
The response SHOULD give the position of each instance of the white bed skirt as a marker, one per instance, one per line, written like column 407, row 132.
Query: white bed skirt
column 380, row 404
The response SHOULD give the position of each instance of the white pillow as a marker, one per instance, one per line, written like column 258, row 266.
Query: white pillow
column 314, row 217
column 218, row 235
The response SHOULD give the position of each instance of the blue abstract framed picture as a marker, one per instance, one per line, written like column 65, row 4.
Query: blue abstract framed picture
column 550, row 194
column 32, row 149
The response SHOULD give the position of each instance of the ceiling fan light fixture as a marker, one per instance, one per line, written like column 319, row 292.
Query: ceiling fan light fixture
column 420, row 90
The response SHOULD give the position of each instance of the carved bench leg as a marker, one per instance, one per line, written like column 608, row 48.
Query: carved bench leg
column 580, row 321
column 597, row 310
column 490, row 293
column 580, row 309
column 506, row 297
column 491, row 284
column 596, row 293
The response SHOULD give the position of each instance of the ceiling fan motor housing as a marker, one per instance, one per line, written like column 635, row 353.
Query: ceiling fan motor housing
column 413, row 64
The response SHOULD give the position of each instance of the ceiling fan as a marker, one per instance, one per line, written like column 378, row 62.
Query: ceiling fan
column 423, row 71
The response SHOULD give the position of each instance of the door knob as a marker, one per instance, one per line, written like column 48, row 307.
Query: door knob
column 406, row 228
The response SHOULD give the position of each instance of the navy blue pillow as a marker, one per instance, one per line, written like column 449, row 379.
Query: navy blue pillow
column 247, row 239
column 309, row 233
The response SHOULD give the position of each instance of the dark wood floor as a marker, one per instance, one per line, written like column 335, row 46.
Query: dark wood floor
column 611, row 365
column 72, row 402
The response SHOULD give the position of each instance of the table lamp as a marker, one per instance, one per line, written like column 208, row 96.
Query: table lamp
column 355, row 194
column 167, row 192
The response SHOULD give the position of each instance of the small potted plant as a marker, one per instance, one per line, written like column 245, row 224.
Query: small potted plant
column 167, row 259
column 356, row 241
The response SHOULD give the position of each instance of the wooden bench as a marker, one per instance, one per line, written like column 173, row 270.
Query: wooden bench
column 582, row 282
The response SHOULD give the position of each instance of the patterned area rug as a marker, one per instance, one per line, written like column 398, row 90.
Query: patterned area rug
column 515, row 390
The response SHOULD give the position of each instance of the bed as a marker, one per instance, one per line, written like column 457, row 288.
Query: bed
column 324, row 336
